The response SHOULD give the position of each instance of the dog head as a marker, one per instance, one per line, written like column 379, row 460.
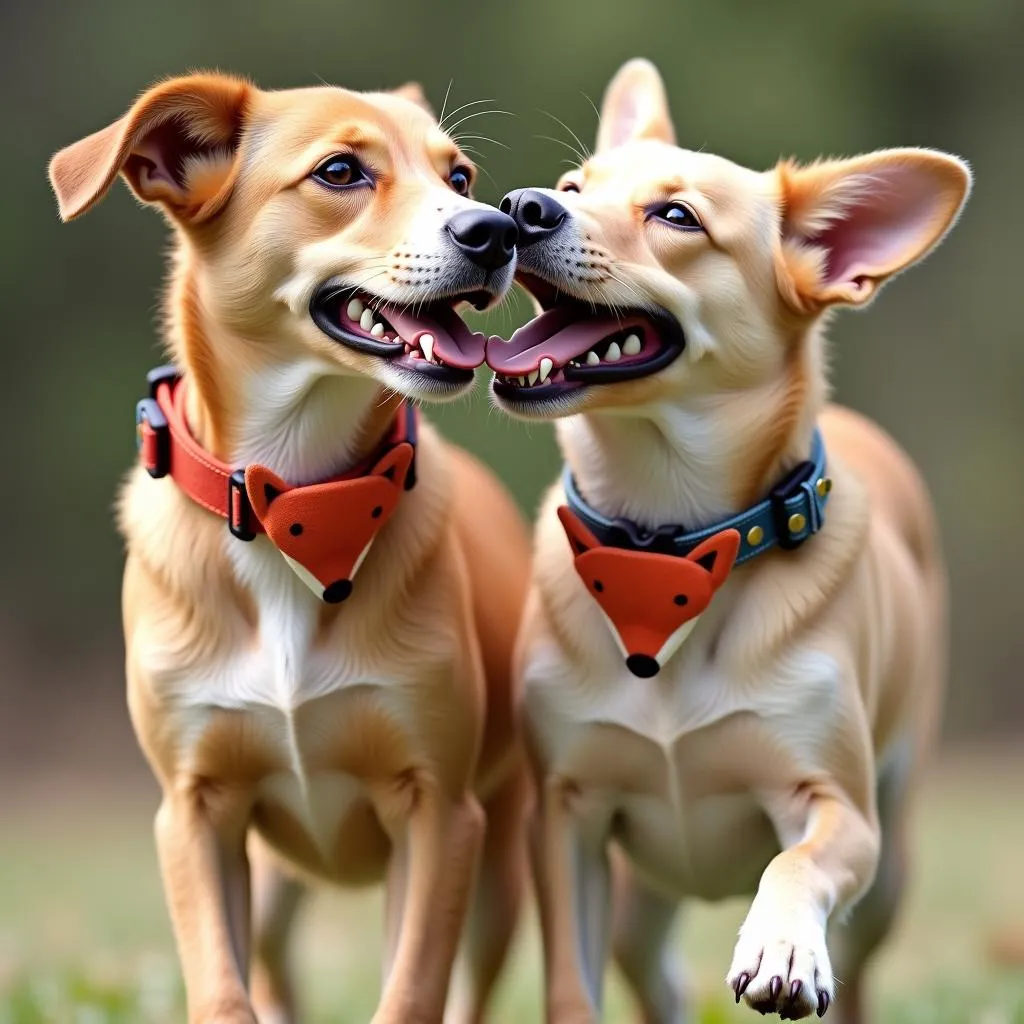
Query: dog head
column 672, row 276
column 314, row 224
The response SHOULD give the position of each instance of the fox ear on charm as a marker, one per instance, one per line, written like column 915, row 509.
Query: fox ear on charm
column 263, row 487
column 717, row 555
column 394, row 465
column 581, row 539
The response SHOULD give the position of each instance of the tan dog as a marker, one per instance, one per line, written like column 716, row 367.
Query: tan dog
column 358, row 739
column 767, row 743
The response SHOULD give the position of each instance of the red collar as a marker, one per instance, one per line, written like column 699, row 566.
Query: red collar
column 324, row 529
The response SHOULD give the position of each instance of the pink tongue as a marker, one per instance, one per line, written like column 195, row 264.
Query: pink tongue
column 561, row 334
column 454, row 343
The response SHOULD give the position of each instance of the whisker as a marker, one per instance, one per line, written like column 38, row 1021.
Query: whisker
column 481, row 138
column 592, row 104
column 444, row 102
column 561, row 142
column 490, row 177
column 452, row 113
column 585, row 153
column 476, row 113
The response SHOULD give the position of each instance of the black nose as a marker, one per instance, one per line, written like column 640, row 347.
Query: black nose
column 537, row 214
column 487, row 237
column 338, row 591
column 642, row 665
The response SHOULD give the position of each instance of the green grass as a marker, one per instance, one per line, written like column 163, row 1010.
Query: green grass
column 84, row 937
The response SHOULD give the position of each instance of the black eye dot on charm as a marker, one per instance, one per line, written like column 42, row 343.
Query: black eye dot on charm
column 681, row 599
column 377, row 512
column 295, row 529
column 598, row 586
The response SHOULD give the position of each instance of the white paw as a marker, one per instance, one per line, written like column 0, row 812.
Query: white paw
column 781, row 962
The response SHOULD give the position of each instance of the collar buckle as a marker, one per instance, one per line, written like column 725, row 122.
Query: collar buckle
column 792, row 527
column 152, row 438
column 240, row 511
column 627, row 534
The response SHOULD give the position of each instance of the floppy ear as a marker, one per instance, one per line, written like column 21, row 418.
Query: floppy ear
column 580, row 538
column 413, row 92
column 176, row 146
column 263, row 487
column 717, row 555
column 635, row 107
column 847, row 226
column 394, row 464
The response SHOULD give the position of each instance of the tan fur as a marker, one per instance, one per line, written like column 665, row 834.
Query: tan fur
column 775, row 750
column 384, row 731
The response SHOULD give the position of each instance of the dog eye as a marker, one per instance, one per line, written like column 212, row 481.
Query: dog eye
column 340, row 172
column 679, row 215
column 569, row 186
column 459, row 181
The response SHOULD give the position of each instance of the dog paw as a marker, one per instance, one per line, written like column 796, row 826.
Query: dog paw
column 781, row 965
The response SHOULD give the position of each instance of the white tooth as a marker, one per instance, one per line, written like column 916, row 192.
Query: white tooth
column 415, row 354
column 377, row 330
column 614, row 353
column 522, row 381
column 631, row 346
column 427, row 344
column 546, row 366
column 355, row 310
column 593, row 359
column 366, row 320
column 533, row 377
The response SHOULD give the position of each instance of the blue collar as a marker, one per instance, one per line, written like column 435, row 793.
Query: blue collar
column 792, row 512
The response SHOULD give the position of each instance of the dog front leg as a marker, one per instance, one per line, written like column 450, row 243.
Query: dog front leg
column 573, row 878
column 439, row 852
column 200, row 838
column 781, row 963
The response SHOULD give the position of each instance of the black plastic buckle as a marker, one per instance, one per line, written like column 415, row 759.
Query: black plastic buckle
column 411, row 430
column 240, row 528
column 148, row 413
column 780, row 494
column 161, row 375
column 630, row 535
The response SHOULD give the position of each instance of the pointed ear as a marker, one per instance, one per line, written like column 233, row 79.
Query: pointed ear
column 263, row 487
column 394, row 464
column 580, row 538
column 413, row 92
column 176, row 146
column 717, row 555
column 635, row 107
column 847, row 226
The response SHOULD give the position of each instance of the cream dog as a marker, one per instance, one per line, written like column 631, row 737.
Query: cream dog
column 330, row 668
column 738, row 702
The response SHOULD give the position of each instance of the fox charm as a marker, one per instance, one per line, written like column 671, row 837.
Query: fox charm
column 651, row 601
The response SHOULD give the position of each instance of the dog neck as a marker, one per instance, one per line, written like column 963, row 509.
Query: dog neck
column 256, row 401
column 690, row 465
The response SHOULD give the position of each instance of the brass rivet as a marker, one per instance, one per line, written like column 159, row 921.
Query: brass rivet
column 823, row 486
column 797, row 521
column 754, row 536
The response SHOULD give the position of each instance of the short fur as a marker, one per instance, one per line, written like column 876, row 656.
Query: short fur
column 353, row 741
column 775, row 751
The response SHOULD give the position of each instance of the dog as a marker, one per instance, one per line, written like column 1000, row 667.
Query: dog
column 733, row 649
column 319, row 628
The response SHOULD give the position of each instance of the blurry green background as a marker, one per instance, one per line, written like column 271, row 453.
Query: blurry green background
column 938, row 360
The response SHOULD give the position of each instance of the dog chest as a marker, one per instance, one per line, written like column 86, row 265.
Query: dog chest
column 673, row 765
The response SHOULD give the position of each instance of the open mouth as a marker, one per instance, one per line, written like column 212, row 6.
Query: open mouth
column 572, row 345
column 430, row 339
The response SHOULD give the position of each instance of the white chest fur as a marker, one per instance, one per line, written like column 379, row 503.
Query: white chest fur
column 647, row 780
